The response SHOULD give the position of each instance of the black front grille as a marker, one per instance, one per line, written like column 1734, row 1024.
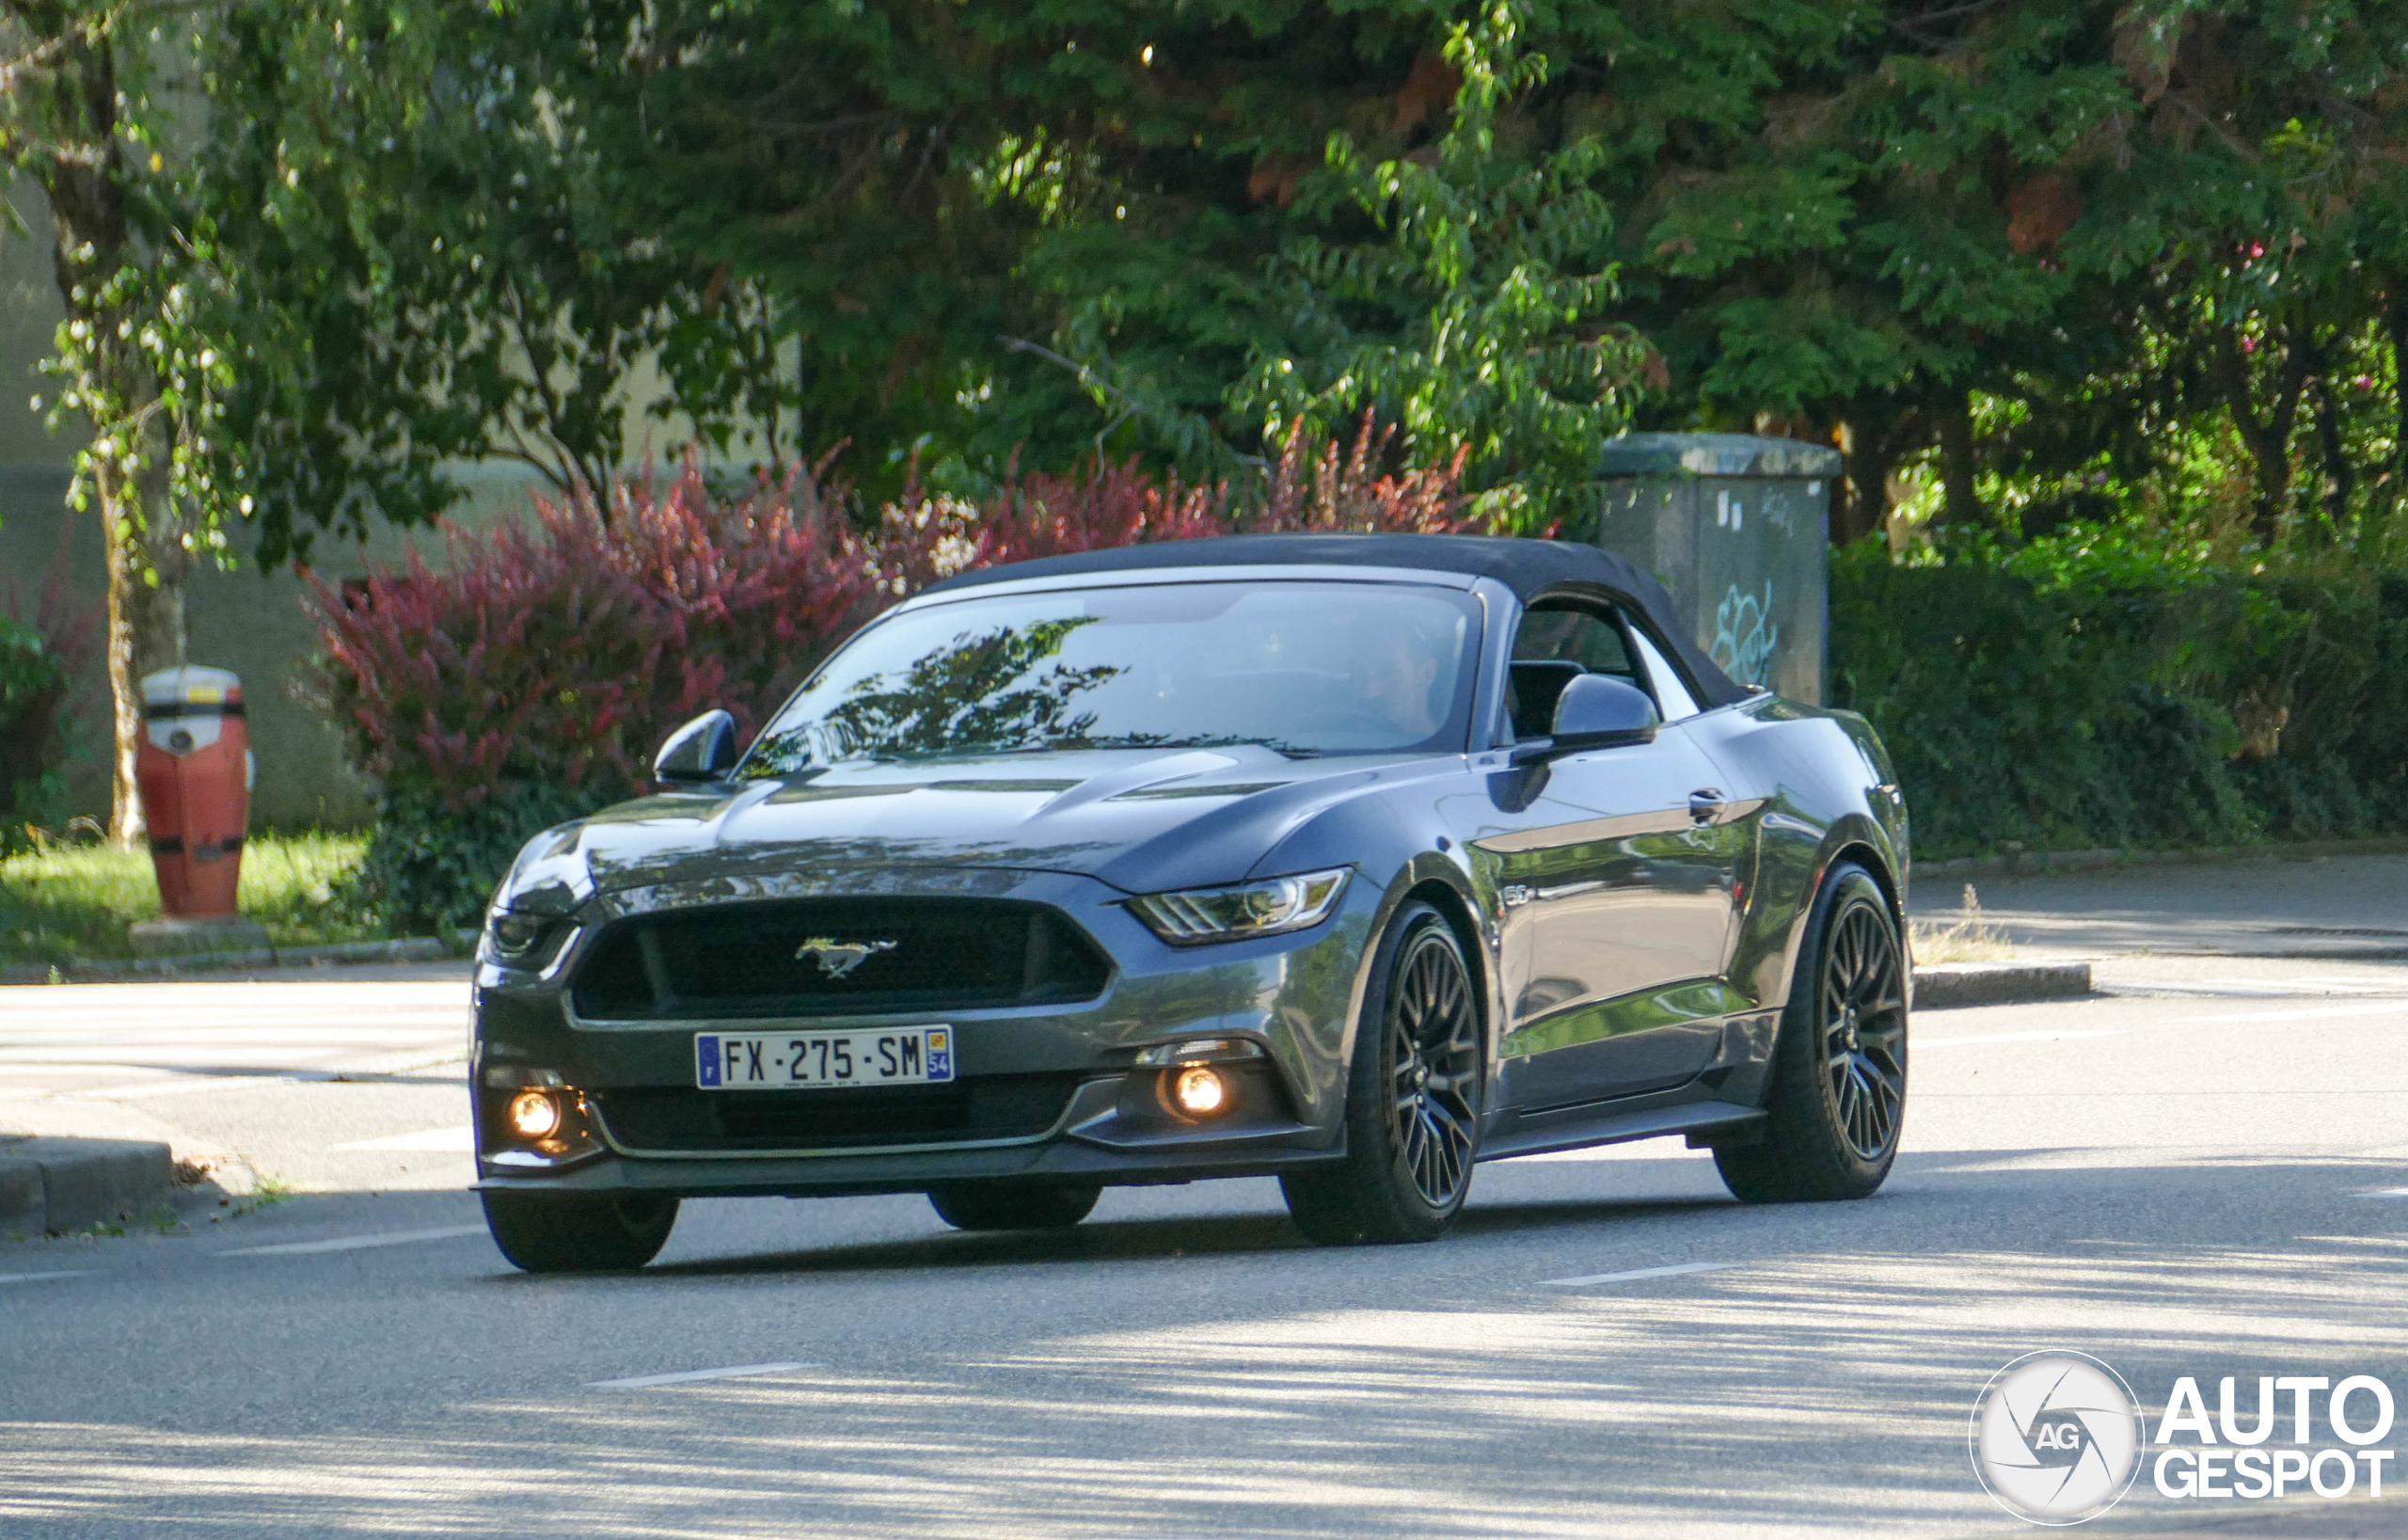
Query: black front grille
column 836, row 956
column 677, row 1117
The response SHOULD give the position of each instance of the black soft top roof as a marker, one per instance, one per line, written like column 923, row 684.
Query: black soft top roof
column 1528, row 567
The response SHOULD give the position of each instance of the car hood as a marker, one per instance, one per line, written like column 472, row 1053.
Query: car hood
column 1143, row 821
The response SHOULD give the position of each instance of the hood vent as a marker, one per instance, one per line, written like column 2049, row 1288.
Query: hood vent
column 836, row 956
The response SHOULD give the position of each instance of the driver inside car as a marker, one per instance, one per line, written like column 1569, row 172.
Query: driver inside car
column 1398, row 668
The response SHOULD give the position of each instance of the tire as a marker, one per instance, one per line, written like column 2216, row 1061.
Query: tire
column 1028, row 1205
column 1412, row 1098
column 1839, row 1076
column 544, row 1233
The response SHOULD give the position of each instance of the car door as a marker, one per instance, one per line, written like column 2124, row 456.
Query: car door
column 1617, row 887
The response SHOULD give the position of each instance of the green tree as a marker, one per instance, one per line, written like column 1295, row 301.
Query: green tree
column 311, row 250
column 82, row 108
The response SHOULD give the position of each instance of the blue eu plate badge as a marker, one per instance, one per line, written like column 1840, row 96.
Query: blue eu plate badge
column 707, row 1061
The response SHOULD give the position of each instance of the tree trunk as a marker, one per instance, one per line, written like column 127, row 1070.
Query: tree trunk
column 1853, row 516
column 1867, row 455
column 2340, row 479
column 130, row 453
column 1961, row 507
column 2269, row 439
column 146, row 630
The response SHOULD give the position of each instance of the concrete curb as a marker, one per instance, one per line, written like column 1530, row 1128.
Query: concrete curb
column 48, row 1185
column 1942, row 985
column 2039, row 863
column 412, row 949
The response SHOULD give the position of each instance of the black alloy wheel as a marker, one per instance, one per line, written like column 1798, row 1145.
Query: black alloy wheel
column 1865, row 1029
column 1839, row 1079
column 564, row 1233
column 1413, row 1102
column 1017, row 1204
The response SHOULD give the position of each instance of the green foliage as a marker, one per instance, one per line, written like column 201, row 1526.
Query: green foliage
column 2111, row 688
column 1167, row 229
column 965, row 237
column 1476, row 311
column 33, row 687
column 431, row 866
column 439, row 260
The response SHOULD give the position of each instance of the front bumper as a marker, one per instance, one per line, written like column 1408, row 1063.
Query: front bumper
column 1290, row 996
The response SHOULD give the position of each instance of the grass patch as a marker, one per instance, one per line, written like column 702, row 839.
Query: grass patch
column 72, row 904
column 1973, row 939
column 269, row 1193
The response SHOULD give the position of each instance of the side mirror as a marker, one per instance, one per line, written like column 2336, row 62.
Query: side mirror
column 703, row 750
column 1597, row 711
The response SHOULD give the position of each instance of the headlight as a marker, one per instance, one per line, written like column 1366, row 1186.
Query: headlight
column 523, row 940
column 1249, row 908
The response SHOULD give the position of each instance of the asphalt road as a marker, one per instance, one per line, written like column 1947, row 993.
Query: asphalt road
column 2182, row 1178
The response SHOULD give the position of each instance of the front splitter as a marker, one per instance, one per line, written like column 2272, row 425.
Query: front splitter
column 837, row 1176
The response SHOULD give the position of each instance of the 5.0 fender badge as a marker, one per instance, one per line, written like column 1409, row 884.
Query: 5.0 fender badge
column 840, row 958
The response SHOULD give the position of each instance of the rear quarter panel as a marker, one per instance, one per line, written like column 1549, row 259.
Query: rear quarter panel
column 1828, row 793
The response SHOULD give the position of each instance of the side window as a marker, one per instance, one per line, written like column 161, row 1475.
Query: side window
column 1556, row 643
column 1673, row 697
column 1567, row 635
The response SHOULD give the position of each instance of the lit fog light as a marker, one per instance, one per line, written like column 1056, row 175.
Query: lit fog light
column 1201, row 1091
column 534, row 1114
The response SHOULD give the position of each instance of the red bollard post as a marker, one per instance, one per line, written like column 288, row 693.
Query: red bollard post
column 194, row 771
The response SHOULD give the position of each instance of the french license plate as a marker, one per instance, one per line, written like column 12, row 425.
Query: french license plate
column 794, row 1061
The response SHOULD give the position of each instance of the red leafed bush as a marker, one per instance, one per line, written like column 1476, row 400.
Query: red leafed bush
column 560, row 650
column 1309, row 488
column 1314, row 490
column 528, row 679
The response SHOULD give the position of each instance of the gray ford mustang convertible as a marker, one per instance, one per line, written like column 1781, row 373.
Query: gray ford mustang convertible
column 1349, row 859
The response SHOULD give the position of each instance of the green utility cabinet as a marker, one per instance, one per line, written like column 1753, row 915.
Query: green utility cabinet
column 1738, row 528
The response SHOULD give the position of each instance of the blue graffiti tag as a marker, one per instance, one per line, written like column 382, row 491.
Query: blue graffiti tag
column 1744, row 636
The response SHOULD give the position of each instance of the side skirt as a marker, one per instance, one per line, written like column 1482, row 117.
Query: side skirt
column 1605, row 1122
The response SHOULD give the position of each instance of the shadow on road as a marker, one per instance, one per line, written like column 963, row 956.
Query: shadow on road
column 1437, row 1393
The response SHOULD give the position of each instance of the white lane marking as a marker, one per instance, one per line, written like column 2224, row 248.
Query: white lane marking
column 2380, row 1192
column 357, row 1243
column 41, row 1278
column 641, row 1382
column 461, row 1140
column 1918, row 1044
column 1637, row 1273
column 2389, row 1007
column 2153, row 989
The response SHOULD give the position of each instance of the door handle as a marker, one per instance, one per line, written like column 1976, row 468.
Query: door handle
column 1706, row 804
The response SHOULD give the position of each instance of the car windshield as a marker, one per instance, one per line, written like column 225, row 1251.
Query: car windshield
column 1305, row 668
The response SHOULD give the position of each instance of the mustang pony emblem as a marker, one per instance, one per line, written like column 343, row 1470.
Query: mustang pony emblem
column 840, row 958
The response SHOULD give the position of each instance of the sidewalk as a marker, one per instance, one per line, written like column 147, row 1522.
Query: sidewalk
column 121, row 1098
column 2341, row 908
column 135, row 1041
